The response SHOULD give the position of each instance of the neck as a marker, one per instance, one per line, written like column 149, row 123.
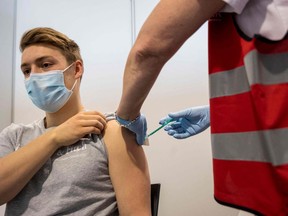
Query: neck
column 71, row 108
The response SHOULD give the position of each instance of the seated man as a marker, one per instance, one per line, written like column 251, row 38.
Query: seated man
column 61, row 164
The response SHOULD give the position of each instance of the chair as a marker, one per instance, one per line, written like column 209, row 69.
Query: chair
column 155, row 195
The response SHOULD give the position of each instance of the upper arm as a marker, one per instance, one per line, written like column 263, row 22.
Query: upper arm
column 128, row 171
column 172, row 22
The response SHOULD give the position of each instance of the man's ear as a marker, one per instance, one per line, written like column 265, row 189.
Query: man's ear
column 79, row 69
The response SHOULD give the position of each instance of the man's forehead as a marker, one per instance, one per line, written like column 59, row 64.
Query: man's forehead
column 34, row 52
column 39, row 48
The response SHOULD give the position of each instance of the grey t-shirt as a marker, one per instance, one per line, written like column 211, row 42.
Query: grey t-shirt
column 74, row 181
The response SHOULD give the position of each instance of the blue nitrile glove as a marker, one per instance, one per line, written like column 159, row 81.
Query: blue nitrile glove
column 187, row 122
column 137, row 126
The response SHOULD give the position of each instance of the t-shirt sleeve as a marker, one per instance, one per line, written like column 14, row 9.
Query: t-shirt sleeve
column 110, row 116
column 235, row 6
column 8, row 141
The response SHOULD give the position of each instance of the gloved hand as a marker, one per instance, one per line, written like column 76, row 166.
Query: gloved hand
column 187, row 122
column 137, row 126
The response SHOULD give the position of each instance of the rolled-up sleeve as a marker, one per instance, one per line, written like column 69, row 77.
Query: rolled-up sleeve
column 268, row 18
column 235, row 6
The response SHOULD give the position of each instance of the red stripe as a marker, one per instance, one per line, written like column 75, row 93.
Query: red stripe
column 265, row 47
column 264, row 107
column 251, row 185
column 227, row 49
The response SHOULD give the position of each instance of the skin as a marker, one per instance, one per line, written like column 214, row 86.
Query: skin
column 70, row 124
column 168, row 26
column 128, row 171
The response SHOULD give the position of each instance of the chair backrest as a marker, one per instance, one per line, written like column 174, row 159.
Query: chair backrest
column 155, row 195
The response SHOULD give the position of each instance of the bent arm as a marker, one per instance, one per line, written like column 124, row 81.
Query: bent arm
column 17, row 168
column 169, row 25
column 128, row 171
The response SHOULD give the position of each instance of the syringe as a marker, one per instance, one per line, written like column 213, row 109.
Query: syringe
column 166, row 122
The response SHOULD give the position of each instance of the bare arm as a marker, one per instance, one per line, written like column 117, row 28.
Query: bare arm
column 128, row 171
column 169, row 25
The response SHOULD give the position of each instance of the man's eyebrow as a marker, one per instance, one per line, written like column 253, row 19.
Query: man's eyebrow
column 24, row 65
column 42, row 58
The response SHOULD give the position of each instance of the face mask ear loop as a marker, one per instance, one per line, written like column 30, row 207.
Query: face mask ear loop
column 68, row 67
column 74, row 85
column 75, row 80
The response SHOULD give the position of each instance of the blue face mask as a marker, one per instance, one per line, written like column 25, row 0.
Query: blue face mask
column 47, row 90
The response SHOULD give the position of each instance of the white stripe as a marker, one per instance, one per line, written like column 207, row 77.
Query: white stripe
column 263, row 146
column 228, row 83
column 258, row 69
column 266, row 69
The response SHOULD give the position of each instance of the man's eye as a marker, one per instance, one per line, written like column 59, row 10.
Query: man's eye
column 46, row 65
column 26, row 72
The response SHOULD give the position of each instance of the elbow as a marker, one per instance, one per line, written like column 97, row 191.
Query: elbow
column 4, row 196
column 7, row 191
column 151, row 53
column 3, row 199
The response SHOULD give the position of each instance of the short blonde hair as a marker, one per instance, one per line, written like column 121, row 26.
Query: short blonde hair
column 49, row 36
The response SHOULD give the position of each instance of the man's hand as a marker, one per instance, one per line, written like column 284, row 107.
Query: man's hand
column 81, row 124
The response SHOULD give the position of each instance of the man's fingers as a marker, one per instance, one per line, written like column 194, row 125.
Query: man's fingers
column 93, row 118
column 93, row 123
column 94, row 113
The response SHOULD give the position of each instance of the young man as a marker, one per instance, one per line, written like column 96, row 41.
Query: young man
column 59, row 165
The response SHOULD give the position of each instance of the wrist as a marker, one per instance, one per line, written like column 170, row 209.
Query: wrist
column 125, row 122
column 52, row 136
column 127, row 117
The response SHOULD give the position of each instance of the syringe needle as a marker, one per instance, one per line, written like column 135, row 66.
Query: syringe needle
column 167, row 122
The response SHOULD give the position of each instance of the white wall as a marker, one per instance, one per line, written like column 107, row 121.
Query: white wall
column 6, row 60
column 103, row 31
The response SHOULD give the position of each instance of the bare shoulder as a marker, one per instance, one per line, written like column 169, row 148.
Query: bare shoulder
column 117, row 137
column 112, row 127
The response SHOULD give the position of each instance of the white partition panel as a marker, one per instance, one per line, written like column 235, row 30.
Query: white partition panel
column 7, row 15
column 103, row 31
column 6, row 61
